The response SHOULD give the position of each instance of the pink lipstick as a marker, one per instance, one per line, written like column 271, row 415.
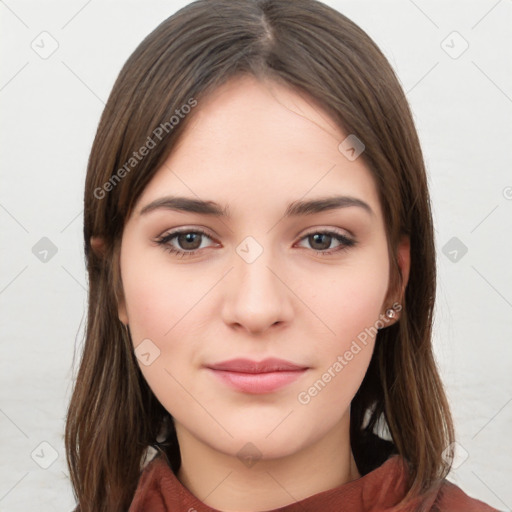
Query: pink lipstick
column 257, row 377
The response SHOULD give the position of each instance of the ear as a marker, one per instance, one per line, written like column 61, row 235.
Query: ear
column 404, row 262
column 98, row 246
column 395, row 296
column 121, row 311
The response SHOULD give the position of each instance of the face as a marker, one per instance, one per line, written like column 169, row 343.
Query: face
column 267, row 280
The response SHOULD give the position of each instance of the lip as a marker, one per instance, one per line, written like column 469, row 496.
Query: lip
column 257, row 377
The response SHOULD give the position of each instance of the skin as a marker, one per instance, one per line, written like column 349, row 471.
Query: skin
column 257, row 146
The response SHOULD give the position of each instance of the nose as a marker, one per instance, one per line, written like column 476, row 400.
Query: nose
column 257, row 296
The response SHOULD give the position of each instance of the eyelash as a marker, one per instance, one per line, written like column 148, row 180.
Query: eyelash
column 164, row 240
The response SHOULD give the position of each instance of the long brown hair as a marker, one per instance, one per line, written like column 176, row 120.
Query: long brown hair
column 113, row 415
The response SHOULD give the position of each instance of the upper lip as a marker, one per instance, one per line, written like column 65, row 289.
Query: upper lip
column 248, row 366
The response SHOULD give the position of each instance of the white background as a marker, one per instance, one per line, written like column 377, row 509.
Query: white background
column 50, row 110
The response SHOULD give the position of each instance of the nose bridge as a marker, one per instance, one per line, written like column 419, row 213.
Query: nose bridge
column 257, row 298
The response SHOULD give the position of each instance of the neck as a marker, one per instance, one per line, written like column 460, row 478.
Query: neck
column 223, row 482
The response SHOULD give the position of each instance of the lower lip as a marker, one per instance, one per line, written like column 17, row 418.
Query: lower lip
column 258, row 383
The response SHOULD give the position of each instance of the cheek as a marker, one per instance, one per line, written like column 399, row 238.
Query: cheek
column 167, row 305
column 160, row 308
column 350, row 305
column 342, row 358
column 349, row 299
column 159, row 297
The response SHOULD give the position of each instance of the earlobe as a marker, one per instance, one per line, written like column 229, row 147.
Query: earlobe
column 98, row 245
column 393, row 303
column 99, row 248
column 121, row 312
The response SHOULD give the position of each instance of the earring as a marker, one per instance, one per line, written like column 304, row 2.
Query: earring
column 391, row 313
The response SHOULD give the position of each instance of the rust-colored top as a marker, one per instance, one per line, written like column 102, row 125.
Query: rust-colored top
column 159, row 490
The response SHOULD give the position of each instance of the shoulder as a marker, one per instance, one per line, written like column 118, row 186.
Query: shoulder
column 155, row 481
column 156, row 470
column 452, row 498
column 444, row 496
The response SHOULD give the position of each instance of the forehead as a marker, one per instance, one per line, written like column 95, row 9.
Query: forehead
column 252, row 144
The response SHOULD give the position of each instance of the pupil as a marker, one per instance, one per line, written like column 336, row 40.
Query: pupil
column 318, row 239
column 189, row 239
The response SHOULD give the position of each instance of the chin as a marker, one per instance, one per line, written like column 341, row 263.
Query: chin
column 260, row 441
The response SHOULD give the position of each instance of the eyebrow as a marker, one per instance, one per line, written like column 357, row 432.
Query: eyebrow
column 294, row 209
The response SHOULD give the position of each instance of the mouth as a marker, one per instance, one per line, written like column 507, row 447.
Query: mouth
column 257, row 377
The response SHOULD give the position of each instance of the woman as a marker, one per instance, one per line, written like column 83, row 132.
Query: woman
column 261, row 265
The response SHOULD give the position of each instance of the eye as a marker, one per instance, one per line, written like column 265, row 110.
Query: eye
column 189, row 242
column 321, row 240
